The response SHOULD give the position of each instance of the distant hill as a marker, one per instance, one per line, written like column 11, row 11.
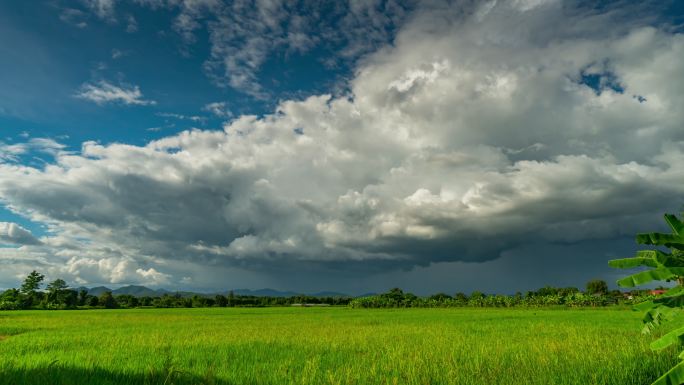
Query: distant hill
column 142, row 291
column 277, row 293
column 263, row 293
column 97, row 291
column 329, row 294
column 137, row 291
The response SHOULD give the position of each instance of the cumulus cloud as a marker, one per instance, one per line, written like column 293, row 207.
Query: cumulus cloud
column 12, row 233
column 473, row 135
column 104, row 92
column 13, row 152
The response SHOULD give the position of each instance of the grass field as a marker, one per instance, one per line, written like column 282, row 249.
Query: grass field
column 327, row 346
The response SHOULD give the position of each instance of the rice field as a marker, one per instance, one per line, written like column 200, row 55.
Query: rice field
column 327, row 346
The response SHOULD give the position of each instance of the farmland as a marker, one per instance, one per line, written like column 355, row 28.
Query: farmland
column 327, row 346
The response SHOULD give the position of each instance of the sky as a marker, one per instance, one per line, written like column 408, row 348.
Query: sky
column 354, row 146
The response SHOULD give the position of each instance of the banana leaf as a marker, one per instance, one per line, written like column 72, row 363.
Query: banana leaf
column 674, row 376
column 673, row 291
column 674, row 240
column 627, row 263
column 656, row 316
column 668, row 339
column 675, row 224
column 659, row 274
column 670, row 300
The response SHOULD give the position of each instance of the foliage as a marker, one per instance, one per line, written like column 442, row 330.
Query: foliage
column 59, row 296
column 661, row 266
column 107, row 300
column 597, row 286
column 546, row 296
column 32, row 282
column 29, row 287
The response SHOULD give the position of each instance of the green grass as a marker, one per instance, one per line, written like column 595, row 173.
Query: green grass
column 327, row 346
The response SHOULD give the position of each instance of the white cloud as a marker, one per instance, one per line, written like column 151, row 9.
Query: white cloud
column 219, row 109
column 131, row 24
column 104, row 92
column 14, row 234
column 117, row 53
column 470, row 137
column 12, row 152
column 104, row 9
column 243, row 35
column 73, row 17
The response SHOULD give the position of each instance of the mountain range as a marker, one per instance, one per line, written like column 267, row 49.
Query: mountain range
column 142, row 291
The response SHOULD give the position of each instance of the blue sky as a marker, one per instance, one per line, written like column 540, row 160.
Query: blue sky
column 50, row 50
column 48, row 57
column 348, row 146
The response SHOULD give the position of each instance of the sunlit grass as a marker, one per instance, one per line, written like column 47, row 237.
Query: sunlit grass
column 327, row 346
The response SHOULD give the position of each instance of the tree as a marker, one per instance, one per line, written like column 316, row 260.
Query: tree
column 29, row 287
column 92, row 301
column 68, row 298
column 107, row 300
column 56, row 292
column 146, row 301
column 231, row 299
column 10, row 300
column 662, row 267
column 597, row 286
column 440, row 297
column 32, row 282
column 10, row 295
column 396, row 294
column 82, row 297
column 221, row 301
column 568, row 291
column 57, row 285
column 461, row 297
column 127, row 300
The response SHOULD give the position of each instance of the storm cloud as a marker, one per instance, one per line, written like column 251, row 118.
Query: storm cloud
column 481, row 129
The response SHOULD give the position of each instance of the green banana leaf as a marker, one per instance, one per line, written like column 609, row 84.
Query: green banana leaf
column 627, row 263
column 674, row 240
column 674, row 376
column 643, row 306
column 654, row 317
column 675, row 224
column 647, row 276
column 668, row 339
column 670, row 301
column 673, row 291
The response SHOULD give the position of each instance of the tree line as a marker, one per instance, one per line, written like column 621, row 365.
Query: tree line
column 58, row 295
column 596, row 294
